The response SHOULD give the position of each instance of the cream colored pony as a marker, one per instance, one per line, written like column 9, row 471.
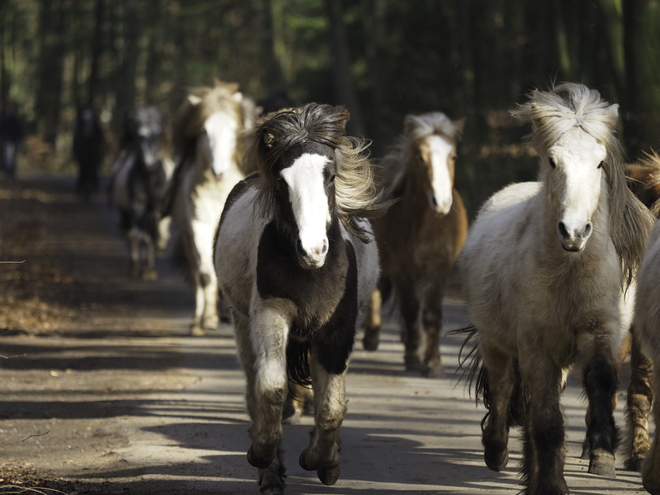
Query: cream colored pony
column 204, row 135
column 545, row 268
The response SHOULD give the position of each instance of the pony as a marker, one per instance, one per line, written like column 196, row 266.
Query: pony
column 296, row 260
column 644, row 181
column 204, row 131
column 547, row 269
column 137, row 185
column 89, row 147
column 647, row 330
column 421, row 235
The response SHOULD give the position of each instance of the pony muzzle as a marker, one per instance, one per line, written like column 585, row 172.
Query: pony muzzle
column 312, row 257
column 440, row 207
column 574, row 238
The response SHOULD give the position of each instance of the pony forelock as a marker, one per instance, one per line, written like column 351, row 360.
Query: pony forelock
column 568, row 105
column 356, row 195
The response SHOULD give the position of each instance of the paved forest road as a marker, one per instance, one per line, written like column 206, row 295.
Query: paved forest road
column 104, row 391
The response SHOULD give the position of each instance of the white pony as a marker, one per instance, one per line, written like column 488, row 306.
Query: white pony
column 296, row 259
column 545, row 269
column 204, row 134
column 647, row 327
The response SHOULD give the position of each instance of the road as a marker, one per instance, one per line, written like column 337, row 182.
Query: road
column 105, row 392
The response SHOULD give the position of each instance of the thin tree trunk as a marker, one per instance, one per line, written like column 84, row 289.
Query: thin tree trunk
column 344, row 87
column 127, row 90
column 633, row 39
column 97, row 52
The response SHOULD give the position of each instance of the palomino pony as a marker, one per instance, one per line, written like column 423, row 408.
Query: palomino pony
column 204, row 133
column 296, row 259
column 545, row 269
column 137, row 185
column 421, row 235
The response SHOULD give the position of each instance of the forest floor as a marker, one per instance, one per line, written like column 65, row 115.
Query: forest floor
column 103, row 390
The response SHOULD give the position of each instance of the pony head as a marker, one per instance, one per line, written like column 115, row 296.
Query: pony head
column 208, row 123
column 574, row 116
column 143, row 129
column 311, row 175
column 433, row 138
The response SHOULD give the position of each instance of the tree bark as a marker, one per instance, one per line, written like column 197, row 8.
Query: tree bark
column 344, row 86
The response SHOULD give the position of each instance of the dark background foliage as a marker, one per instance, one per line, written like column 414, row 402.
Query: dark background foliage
column 380, row 58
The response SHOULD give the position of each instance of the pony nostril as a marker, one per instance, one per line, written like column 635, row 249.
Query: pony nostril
column 434, row 201
column 587, row 230
column 561, row 228
column 324, row 250
column 299, row 249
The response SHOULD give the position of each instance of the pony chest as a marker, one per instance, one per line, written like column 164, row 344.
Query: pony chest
column 319, row 294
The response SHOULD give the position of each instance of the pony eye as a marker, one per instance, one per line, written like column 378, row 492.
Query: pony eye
column 332, row 179
column 600, row 165
column 552, row 163
column 420, row 158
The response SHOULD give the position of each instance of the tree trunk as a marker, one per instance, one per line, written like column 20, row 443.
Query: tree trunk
column 633, row 43
column 97, row 52
column 126, row 93
column 344, row 87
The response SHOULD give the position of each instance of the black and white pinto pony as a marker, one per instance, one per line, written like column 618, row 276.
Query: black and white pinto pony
column 296, row 260
column 547, row 269
column 137, row 186
column 204, row 130
column 89, row 148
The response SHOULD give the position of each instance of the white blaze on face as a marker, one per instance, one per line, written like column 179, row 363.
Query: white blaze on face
column 576, row 180
column 440, row 151
column 221, row 140
column 310, row 204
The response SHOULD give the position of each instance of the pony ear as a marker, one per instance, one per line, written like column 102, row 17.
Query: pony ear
column 269, row 140
column 459, row 125
column 409, row 124
column 614, row 110
column 194, row 99
column 237, row 97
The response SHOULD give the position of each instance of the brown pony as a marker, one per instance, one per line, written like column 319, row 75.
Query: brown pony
column 421, row 235
column 644, row 182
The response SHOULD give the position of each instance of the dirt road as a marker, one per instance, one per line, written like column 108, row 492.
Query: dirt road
column 104, row 391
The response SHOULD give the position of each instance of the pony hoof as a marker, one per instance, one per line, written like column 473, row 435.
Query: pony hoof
column 413, row 363
column 197, row 331
column 601, row 463
column 433, row 371
column 651, row 487
column 303, row 461
column 496, row 460
column 272, row 489
column 370, row 344
column 586, row 449
column 634, row 463
column 328, row 476
column 258, row 462
column 210, row 323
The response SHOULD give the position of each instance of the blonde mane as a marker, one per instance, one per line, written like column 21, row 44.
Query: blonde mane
column 356, row 195
column 189, row 120
column 570, row 105
column 394, row 167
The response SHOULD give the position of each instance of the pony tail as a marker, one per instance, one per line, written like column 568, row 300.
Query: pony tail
column 297, row 362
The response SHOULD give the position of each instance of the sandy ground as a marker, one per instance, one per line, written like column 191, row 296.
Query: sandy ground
column 104, row 392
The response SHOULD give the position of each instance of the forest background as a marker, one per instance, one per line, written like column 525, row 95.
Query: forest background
column 382, row 59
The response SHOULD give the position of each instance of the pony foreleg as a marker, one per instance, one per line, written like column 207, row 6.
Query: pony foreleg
column 149, row 271
column 269, row 336
column 545, row 426
column 134, row 247
column 206, row 297
column 373, row 322
column 638, row 406
column 323, row 452
column 432, row 324
column 600, row 383
column 651, row 465
column 498, row 388
column 409, row 304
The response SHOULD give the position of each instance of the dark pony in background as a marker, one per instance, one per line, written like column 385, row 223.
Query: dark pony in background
column 295, row 258
column 421, row 235
column 89, row 148
column 137, row 185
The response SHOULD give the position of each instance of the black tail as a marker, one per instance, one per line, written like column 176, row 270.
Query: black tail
column 297, row 362
column 477, row 374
